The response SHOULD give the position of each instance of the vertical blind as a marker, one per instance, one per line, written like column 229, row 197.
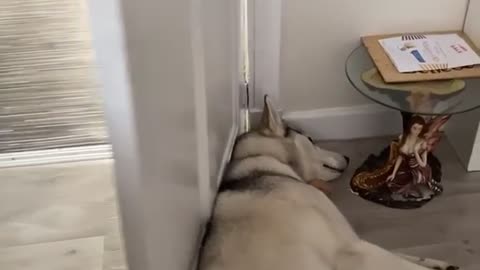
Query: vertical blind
column 48, row 90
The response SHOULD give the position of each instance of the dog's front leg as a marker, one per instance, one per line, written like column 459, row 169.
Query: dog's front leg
column 429, row 263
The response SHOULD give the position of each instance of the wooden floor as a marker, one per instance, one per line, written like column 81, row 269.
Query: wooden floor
column 65, row 217
column 447, row 228
column 59, row 217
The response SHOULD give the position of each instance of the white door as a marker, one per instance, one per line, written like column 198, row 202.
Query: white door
column 170, row 76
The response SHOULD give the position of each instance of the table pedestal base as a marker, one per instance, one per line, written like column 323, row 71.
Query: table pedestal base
column 405, row 174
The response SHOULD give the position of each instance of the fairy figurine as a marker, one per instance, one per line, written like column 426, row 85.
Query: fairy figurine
column 405, row 175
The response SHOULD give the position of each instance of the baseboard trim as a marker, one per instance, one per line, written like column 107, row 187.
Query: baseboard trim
column 343, row 123
column 474, row 162
column 61, row 155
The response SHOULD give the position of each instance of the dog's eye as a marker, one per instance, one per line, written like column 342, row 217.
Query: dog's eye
column 310, row 139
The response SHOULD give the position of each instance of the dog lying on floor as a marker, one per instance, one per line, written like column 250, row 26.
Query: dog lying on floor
column 267, row 216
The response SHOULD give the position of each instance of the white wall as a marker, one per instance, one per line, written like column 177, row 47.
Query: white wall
column 317, row 36
column 167, row 69
column 472, row 22
column 463, row 130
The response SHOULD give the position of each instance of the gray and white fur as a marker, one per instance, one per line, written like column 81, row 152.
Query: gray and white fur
column 266, row 216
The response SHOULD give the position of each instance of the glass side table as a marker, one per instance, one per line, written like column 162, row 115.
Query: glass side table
column 406, row 174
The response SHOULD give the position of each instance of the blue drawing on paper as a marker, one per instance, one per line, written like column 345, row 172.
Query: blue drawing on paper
column 418, row 56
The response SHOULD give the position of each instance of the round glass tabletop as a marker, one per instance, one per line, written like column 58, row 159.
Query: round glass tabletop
column 417, row 102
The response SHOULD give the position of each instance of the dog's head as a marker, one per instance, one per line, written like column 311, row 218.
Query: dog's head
column 273, row 138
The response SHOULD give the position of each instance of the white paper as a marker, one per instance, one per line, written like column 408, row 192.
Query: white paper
column 429, row 52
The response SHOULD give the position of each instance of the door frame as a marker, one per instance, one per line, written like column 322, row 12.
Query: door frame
column 265, row 17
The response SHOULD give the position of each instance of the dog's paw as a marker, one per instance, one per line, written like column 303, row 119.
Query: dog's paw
column 322, row 186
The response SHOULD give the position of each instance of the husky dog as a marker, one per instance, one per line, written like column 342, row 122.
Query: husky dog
column 267, row 216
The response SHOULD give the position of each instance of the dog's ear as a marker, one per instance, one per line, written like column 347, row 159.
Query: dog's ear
column 271, row 122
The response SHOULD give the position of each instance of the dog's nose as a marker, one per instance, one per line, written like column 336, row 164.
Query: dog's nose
column 347, row 159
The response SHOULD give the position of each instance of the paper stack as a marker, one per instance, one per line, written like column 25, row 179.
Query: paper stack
column 419, row 52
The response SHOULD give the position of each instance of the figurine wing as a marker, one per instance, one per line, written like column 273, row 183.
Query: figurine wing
column 435, row 131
